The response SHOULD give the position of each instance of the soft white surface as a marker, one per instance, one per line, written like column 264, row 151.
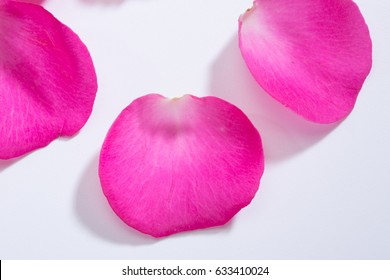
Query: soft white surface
column 325, row 193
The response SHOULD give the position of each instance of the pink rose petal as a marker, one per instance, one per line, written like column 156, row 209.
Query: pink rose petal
column 311, row 55
column 172, row 165
column 37, row 2
column 47, row 79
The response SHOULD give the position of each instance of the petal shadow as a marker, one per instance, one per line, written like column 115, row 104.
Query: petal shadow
column 5, row 163
column 283, row 132
column 94, row 212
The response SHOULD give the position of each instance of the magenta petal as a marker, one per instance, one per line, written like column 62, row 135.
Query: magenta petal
column 37, row 2
column 172, row 165
column 312, row 56
column 47, row 79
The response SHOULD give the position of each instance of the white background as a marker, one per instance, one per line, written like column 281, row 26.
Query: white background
column 325, row 193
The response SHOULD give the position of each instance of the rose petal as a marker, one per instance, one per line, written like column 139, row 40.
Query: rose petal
column 312, row 56
column 172, row 165
column 37, row 2
column 47, row 79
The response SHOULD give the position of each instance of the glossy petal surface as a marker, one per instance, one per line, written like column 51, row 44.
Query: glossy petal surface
column 47, row 79
column 311, row 55
column 172, row 165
